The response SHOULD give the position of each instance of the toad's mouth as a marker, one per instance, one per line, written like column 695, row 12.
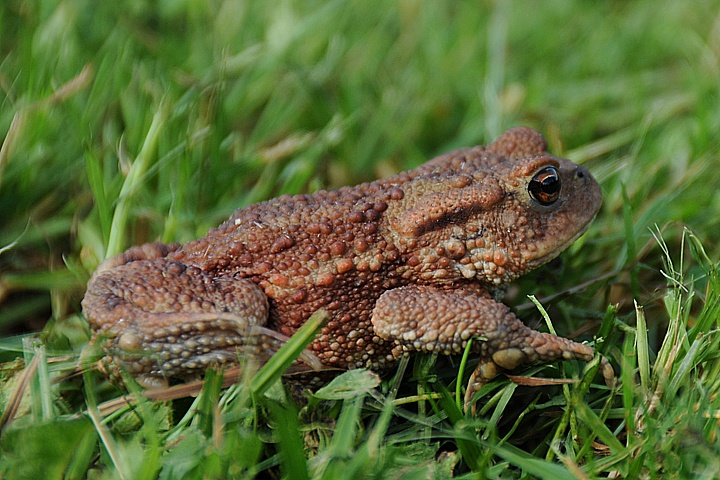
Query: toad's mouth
column 497, row 266
column 557, row 249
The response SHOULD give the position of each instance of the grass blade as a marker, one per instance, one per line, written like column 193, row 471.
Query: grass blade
column 288, row 353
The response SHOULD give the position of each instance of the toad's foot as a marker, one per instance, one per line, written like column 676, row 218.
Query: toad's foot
column 431, row 320
column 160, row 319
column 535, row 347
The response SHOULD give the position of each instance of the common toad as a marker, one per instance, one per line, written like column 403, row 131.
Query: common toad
column 406, row 263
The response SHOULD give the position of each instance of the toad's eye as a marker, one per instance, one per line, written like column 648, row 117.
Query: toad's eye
column 545, row 186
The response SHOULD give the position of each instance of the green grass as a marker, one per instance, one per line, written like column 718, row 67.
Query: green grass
column 128, row 122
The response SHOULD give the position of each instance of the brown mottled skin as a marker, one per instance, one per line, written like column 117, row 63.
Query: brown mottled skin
column 407, row 263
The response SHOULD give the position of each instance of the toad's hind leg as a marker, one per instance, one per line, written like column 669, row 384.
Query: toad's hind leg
column 426, row 319
column 159, row 318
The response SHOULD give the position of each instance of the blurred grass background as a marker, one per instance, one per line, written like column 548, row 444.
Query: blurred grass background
column 133, row 121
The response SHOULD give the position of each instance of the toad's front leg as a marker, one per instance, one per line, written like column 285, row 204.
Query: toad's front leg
column 160, row 319
column 425, row 319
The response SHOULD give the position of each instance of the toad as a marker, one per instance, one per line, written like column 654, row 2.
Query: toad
column 410, row 263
